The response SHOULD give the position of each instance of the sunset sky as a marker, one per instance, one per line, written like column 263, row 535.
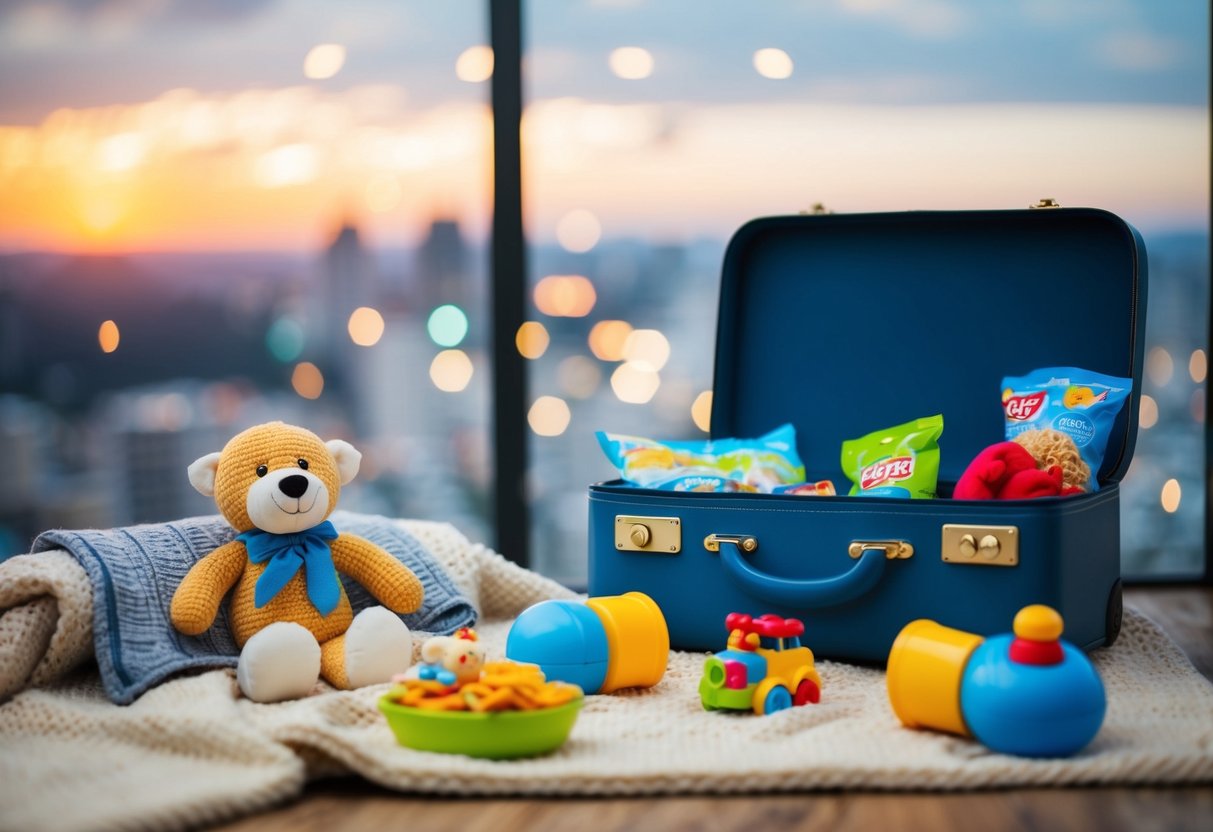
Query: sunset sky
column 163, row 125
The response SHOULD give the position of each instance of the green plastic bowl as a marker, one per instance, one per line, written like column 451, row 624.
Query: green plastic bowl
column 497, row 735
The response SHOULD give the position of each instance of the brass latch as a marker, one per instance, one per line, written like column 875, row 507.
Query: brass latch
column 1046, row 202
column 893, row 549
column 981, row 545
column 648, row 534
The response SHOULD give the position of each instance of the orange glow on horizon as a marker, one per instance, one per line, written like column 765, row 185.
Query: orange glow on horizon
column 258, row 170
column 268, row 169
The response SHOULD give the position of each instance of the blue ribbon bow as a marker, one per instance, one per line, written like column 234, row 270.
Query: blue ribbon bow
column 286, row 553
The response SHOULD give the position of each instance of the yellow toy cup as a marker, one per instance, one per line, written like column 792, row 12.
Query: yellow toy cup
column 926, row 664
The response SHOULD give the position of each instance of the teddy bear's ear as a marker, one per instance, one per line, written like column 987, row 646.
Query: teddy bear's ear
column 347, row 457
column 202, row 474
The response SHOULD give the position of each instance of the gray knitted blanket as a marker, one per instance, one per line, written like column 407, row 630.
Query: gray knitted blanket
column 134, row 572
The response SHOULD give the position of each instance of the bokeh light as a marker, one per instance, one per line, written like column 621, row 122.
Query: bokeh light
column 565, row 296
column 285, row 339
column 451, row 370
column 307, row 380
column 579, row 376
column 1198, row 366
column 447, row 325
column 292, row 164
column 1147, row 413
column 122, row 152
column 1159, row 367
column 701, row 411
column 324, row 61
column 108, row 336
column 773, row 63
column 631, row 63
column 532, row 339
column 578, row 231
column 475, row 64
column 607, row 339
column 634, row 383
column 647, row 348
column 1170, row 496
column 366, row 326
column 549, row 416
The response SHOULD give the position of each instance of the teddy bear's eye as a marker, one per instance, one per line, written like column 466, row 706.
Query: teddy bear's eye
column 303, row 464
column 262, row 470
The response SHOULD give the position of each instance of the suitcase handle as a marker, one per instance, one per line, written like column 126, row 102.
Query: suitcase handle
column 823, row 592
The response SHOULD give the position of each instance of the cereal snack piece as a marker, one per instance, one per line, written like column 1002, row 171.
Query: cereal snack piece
column 1052, row 447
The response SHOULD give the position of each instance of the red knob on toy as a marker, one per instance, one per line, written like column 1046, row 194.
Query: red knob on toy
column 1037, row 630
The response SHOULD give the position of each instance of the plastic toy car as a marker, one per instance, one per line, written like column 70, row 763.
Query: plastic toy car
column 764, row 667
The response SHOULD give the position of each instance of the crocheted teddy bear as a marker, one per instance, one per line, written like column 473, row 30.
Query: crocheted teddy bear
column 277, row 484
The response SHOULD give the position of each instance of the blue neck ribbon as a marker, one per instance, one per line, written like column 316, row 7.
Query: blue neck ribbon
column 286, row 553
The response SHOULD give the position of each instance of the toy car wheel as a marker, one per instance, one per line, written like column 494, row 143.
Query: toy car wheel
column 770, row 697
column 806, row 692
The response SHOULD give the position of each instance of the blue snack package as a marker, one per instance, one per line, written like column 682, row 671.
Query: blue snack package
column 1063, row 416
column 708, row 465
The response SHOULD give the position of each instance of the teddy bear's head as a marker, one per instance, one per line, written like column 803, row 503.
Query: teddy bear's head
column 276, row 477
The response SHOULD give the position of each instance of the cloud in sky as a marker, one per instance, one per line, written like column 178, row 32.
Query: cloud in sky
column 263, row 169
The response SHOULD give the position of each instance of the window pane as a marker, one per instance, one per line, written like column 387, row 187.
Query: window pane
column 654, row 130
column 217, row 214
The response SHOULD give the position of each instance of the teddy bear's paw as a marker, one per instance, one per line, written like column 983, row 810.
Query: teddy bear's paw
column 378, row 645
column 279, row 662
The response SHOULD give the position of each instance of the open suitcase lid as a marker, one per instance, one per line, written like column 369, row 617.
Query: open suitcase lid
column 843, row 324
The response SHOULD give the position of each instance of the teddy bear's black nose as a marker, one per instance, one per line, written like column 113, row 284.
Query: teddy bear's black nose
column 294, row 486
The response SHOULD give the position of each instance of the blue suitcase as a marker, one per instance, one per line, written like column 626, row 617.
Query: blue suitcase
column 846, row 324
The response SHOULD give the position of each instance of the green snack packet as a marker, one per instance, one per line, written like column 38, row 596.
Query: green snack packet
column 901, row 461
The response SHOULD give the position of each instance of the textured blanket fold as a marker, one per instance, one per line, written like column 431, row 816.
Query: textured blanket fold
column 133, row 573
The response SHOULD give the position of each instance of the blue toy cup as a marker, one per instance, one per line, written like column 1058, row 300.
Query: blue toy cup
column 602, row 644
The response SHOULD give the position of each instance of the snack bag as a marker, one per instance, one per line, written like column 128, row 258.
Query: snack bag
column 901, row 461
column 821, row 488
column 1063, row 416
column 712, row 465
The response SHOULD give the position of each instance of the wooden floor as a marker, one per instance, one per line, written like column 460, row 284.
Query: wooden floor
column 1185, row 613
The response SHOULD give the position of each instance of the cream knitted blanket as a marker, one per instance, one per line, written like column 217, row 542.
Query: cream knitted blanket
column 192, row 752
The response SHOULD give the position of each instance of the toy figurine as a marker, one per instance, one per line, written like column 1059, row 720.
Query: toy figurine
column 1029, row 694
column 764, row 667
column 452, row 660
column 602, row 644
